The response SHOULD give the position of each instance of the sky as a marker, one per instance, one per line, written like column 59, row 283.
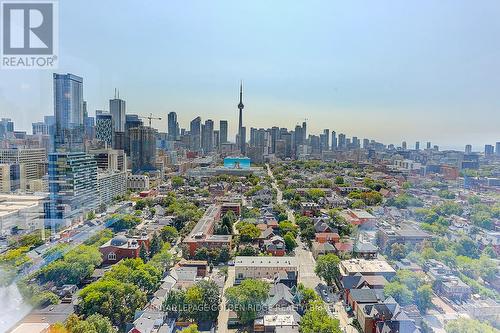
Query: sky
column 387, row 70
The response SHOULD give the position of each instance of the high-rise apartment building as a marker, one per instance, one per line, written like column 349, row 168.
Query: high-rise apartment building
column 497, row 149
column 334, row 140
column 468, row 149
column 173, row 126
column 489, row 150
column 342, row 141
column 142, row 148
column 195, row 134
column 223, row 131
column 72, row 186
column 208, row 136
column 68, row 112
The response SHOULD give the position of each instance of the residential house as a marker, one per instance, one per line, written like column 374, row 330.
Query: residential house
column 275, row 246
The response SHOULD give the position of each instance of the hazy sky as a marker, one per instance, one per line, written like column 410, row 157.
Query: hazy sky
column 386, row 70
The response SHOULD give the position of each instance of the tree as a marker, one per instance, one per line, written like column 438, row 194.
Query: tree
column 143, row 253
column 339, row 180
column 140, row 205
column 91, row 215
column 108, row 298
column 290, row 242
column 463, row 325
column 247, row 251
column 247, row 299
column 327, row 268
column 199, row 302
column 315, row 194
column 191, row 329
column 423, row 297
column 248, row 232
column 286, row 227
column 317, row 320
column 358, row 204
column 224, row 255
column 466, row 247
column 155, row 245
column 74, row 267
column 177, row 181
column 398, row 251
column 308, row 296
column 95, row 323
column 399, row 292
column 169, row 234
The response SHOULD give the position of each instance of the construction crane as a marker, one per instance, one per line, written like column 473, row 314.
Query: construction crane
column 150, row 117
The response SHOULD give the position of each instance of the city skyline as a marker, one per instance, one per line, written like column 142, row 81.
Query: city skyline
column 436, row 80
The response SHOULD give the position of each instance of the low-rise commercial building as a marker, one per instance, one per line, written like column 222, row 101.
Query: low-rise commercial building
column 279, row 269
column 367, row 267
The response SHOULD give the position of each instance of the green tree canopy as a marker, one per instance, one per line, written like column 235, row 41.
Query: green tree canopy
column 317, row 320
column 327, row 268
column 247, row 299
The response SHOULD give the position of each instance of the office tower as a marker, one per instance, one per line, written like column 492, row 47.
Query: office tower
column 342, row 141
column 119, row 140
column 208, row 136
column 131, row 121
column 40, row 128
column 241, row 137
column 195, row 133
column 6, row 127
column 489, row 150
column 68, row 112
column 348, row 144
column 104, row 129
column 428, row 145
column 403, row 145
column 334, row 140
column 117, row 111
column 417, row 145
column 72, row 186
column 223, row 131
column 468, row 149
column 110, row 159
column 173, row 126
column 142, row 148
column 366, row 143
column 497, row 148
column 88, row 123
column 304, row 132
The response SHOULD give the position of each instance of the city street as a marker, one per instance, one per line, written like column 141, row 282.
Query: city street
column 223, row 313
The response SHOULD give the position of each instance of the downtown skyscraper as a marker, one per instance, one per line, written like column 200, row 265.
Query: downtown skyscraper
column 117, row 108
column 68, row 112
column 173, row 126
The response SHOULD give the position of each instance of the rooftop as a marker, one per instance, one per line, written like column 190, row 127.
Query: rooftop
column 257, row 261
column 365, row 266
